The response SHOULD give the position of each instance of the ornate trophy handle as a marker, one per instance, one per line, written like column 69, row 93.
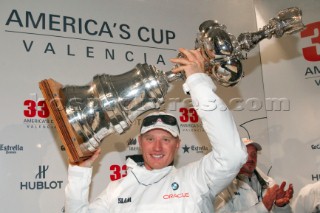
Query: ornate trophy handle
column 224, row 51
column 287, row 22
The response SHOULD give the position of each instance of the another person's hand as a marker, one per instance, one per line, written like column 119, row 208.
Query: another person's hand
column 283, row 197
column 192, row 62
column 88, row 163
column 270, row 197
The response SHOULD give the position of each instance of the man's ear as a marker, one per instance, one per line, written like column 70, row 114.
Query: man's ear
column 178, row 143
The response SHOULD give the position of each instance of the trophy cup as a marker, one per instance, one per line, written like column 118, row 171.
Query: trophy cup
column 86, row 115
column 224, row 51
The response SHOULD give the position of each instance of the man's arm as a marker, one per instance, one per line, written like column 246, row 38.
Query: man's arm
column 308, row 199
column 77, row 189
column 223, row 205
column 282, row 200
column 219, row 167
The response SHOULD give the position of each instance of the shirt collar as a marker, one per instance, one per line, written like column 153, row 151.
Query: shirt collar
column 147, row 177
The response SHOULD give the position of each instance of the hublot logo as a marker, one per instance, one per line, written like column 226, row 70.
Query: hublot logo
column 41, row 182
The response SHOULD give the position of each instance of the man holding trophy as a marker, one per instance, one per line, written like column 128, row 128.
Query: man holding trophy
column 157, row 186
column 85, row 115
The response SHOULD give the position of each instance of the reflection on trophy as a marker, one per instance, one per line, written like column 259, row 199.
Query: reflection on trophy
column 86, row 115
column 224, row 50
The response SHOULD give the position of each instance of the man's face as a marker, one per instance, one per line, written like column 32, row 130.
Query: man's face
column 158, row 148
column 248, row 168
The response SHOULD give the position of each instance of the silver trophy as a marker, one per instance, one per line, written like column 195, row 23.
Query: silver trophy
column 224, row 51
column 86, row 115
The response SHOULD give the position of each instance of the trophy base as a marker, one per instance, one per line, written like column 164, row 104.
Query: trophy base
column 50, row 90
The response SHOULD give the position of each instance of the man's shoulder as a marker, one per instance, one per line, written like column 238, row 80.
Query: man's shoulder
column 312, row 187
column 115, row 183
column 266, row 177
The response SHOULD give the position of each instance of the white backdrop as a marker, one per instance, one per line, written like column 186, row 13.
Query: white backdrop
column 35, row 46
column 291, row 69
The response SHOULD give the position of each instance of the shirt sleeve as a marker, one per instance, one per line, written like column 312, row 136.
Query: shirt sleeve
column 226, row 202
column 218, row 168
column 77, row 192
column 305, row 200
column 285, row 209
column 224, row 207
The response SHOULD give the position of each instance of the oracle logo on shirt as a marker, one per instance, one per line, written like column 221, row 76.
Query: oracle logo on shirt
column 177, row 196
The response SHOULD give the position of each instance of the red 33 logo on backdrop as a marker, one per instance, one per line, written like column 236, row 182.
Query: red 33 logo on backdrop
column 34, row 108
column 118, row 171
column 312, row 31
column 188, row 115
